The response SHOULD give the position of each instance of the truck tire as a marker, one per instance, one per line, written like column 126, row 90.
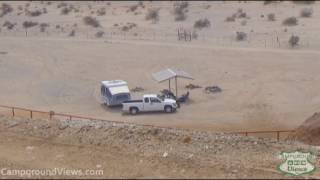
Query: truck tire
column 134, row 110
column 168, row 109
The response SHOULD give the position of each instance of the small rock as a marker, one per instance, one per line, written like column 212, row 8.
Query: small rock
column 165, row 154
column 29, row 148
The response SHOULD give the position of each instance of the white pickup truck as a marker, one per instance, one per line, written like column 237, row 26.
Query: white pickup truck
column 149, row 103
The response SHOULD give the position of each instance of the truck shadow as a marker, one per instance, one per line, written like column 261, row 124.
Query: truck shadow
column 112, row 109
column 160, row 113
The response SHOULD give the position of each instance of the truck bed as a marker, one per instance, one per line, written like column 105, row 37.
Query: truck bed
column 133, row 101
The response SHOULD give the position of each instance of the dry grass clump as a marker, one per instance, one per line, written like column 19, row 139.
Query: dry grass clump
column 231, row 18
column 290, row 21
column 153, row 15
column 271, row 17
column 43, row 26
column 65, row 10
column 133, row 8
column 62, row 4
column 241, row 36
column 5, row 9
column 294, row 41
column 202, row 23
column 128, row 26
column 90, row 21
column 306, row 12
column 9, row 25
column 179, row 10
column 101, row 12
column 239, row 14
column 99, row 34
column 34, row 13
column 29, row 24
column 72, row 33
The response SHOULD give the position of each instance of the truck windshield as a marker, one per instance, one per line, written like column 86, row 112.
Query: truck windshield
column 160, row 97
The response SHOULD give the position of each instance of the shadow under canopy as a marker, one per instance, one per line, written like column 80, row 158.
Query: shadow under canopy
column 168, row 74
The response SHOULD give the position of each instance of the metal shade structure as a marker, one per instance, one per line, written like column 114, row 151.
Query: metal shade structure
column 169, row 74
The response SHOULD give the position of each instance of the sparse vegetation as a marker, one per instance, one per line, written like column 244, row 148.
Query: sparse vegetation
column 304, row 2
column 132, row 8
column 99, row 34
column 271, row 17
column 90, row 21
column 241, row 14
column 290, row 21
column 101, row 11
column 231, row 18
column 5, row 9
column 306, row 12
column 294, row 41
column 72, row 33
column 241, row 36
column 29, row 24
column 128, row 26
column 202, row 23
column 9, row 25
column 43, row 26
column 62, row 4
column 243, row 23
column 268, row 2
column 179, row 11
column 34, row 13
column 153, row 15
column 65, row 10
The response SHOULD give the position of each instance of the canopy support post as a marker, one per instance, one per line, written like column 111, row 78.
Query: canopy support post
column 169, row 85
column 176, row 87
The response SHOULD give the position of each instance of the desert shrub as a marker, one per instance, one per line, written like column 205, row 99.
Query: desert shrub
column 231, row 18
column 202, row 23
column 90, row 21
column 44, row 11
column 99, row 34
column 62, row 4
column 244, row 22
column 134, row 7
column 72, row 33
column 304, row 2
column 43, row 26
column 65, row 10
column 241, row 14
column 268, row 2
column 5, row 9
column 290, row 21
column 101, row 11
column 271, row 17
column 153, row 15
column 34, row 13
column 294, row 41
column 9, row 25
column 306, row 12
column 29, row 24
column 140, row 3
column 179, row 10
column 241, row 36
column 128, row 26
column 58, row 26
column 20, row 8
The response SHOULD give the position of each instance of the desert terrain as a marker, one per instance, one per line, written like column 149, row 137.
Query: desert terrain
column 263, row 87
column 263, row 55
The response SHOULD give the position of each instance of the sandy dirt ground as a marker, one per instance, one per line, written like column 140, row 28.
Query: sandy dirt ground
column 262, row 88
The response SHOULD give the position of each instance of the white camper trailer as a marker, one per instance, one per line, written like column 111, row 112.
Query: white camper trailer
column 114, row 92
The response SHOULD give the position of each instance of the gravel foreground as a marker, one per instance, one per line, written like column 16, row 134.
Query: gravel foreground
column 133, row 151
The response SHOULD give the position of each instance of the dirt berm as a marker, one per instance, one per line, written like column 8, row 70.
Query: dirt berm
column 133, row 151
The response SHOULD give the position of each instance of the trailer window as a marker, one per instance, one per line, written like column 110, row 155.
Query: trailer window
column 146, row 100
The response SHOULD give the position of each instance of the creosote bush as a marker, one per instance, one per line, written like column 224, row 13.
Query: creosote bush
column 179, row 10
column 153, row 15
column 90, row 21
column 294, row 41
column 290, row 21
column 306, row 12
column 202, row 23
column 271, row 17
column 241, row 36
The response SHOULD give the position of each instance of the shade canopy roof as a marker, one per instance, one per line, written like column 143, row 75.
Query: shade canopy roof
column 169, row 74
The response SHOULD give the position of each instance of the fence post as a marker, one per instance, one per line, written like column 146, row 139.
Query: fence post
column 12, row 111
column 246, row 133
column 278, row 135
column 70, row 117
column 30, row 114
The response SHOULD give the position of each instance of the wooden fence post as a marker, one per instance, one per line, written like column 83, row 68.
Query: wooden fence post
column 12, row 111
column 278, row 135
column 31, row 114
